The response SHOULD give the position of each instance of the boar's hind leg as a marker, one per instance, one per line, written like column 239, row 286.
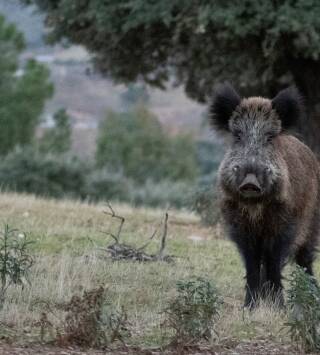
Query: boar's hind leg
column 305, row 257
column 306, row 253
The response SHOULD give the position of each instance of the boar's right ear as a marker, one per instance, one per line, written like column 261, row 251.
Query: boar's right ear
column 223, row 104
column 288, row 105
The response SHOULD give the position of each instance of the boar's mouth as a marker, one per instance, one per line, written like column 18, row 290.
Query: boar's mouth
column 250, row 187
column 251, row 194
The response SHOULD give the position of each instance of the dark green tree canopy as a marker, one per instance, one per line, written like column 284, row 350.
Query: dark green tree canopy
column 258, row 45
column 248, row 42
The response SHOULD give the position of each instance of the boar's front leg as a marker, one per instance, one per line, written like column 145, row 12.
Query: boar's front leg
column 251, row 252
column 272, row 289
column 275, row 256
column 252, row 260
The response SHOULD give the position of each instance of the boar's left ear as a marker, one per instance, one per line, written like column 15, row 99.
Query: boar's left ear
column 289, row 107
column 223, row 104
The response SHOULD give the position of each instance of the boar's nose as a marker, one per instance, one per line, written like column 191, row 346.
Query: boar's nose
column 250, row 185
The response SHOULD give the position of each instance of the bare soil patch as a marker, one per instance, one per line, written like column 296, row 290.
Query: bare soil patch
column 245, row 348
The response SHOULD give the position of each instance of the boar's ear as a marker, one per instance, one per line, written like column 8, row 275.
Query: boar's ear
column 223, row 104
column 289, row 107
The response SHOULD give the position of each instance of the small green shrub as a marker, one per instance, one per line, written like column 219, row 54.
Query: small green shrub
column 304, row 310
column 193, row 312
column 15, row 259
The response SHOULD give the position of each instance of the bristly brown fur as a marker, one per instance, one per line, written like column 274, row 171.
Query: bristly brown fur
column 284, row 219
column 302, row 195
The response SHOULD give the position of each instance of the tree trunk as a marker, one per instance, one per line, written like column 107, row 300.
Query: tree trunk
column 306, row 74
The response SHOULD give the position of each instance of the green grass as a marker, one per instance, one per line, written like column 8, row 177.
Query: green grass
column 68, row 262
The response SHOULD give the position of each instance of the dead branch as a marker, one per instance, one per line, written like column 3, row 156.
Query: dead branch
column 114, row 215
column 112, row 236
column 164, row 236
column 149, row 241
column 120, row 251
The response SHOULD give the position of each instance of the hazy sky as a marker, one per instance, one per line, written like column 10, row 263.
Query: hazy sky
column 28, row 20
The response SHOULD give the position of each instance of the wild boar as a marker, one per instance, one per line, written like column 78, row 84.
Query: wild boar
column 268, row 185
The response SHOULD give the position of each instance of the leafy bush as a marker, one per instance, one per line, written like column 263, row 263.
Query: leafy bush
column 15, row 259
column 162, row 194
column 304, row 310
column 104, row 185
column 43, row 174
column 135, row 143
column 60, row 176
column 193, row 312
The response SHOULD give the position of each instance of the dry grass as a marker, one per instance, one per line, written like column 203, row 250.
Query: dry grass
column 68, row 263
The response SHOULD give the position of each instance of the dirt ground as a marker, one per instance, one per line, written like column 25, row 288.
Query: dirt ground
column 246, row 348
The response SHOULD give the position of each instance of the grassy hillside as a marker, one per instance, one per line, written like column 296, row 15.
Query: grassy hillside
column 67, row 238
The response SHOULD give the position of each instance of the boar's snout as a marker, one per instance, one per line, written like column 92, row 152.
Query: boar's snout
column 250, row 186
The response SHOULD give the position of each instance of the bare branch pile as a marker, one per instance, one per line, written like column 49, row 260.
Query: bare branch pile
column 122, row 251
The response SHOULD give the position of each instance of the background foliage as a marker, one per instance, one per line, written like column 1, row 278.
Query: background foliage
column 58, row 138
column 260, row 46
column 137, row 159
column 135, row 143
column 22, row 93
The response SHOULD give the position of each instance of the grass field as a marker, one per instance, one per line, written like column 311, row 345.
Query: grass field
column 67, row 238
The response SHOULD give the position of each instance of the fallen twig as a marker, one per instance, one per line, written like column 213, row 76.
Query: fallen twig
column 121, row 251
column 114, row 215
column 164, row 236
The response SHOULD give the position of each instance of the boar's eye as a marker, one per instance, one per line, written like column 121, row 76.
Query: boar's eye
column 269, row 138
column 237, row 136
column 235, row 169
